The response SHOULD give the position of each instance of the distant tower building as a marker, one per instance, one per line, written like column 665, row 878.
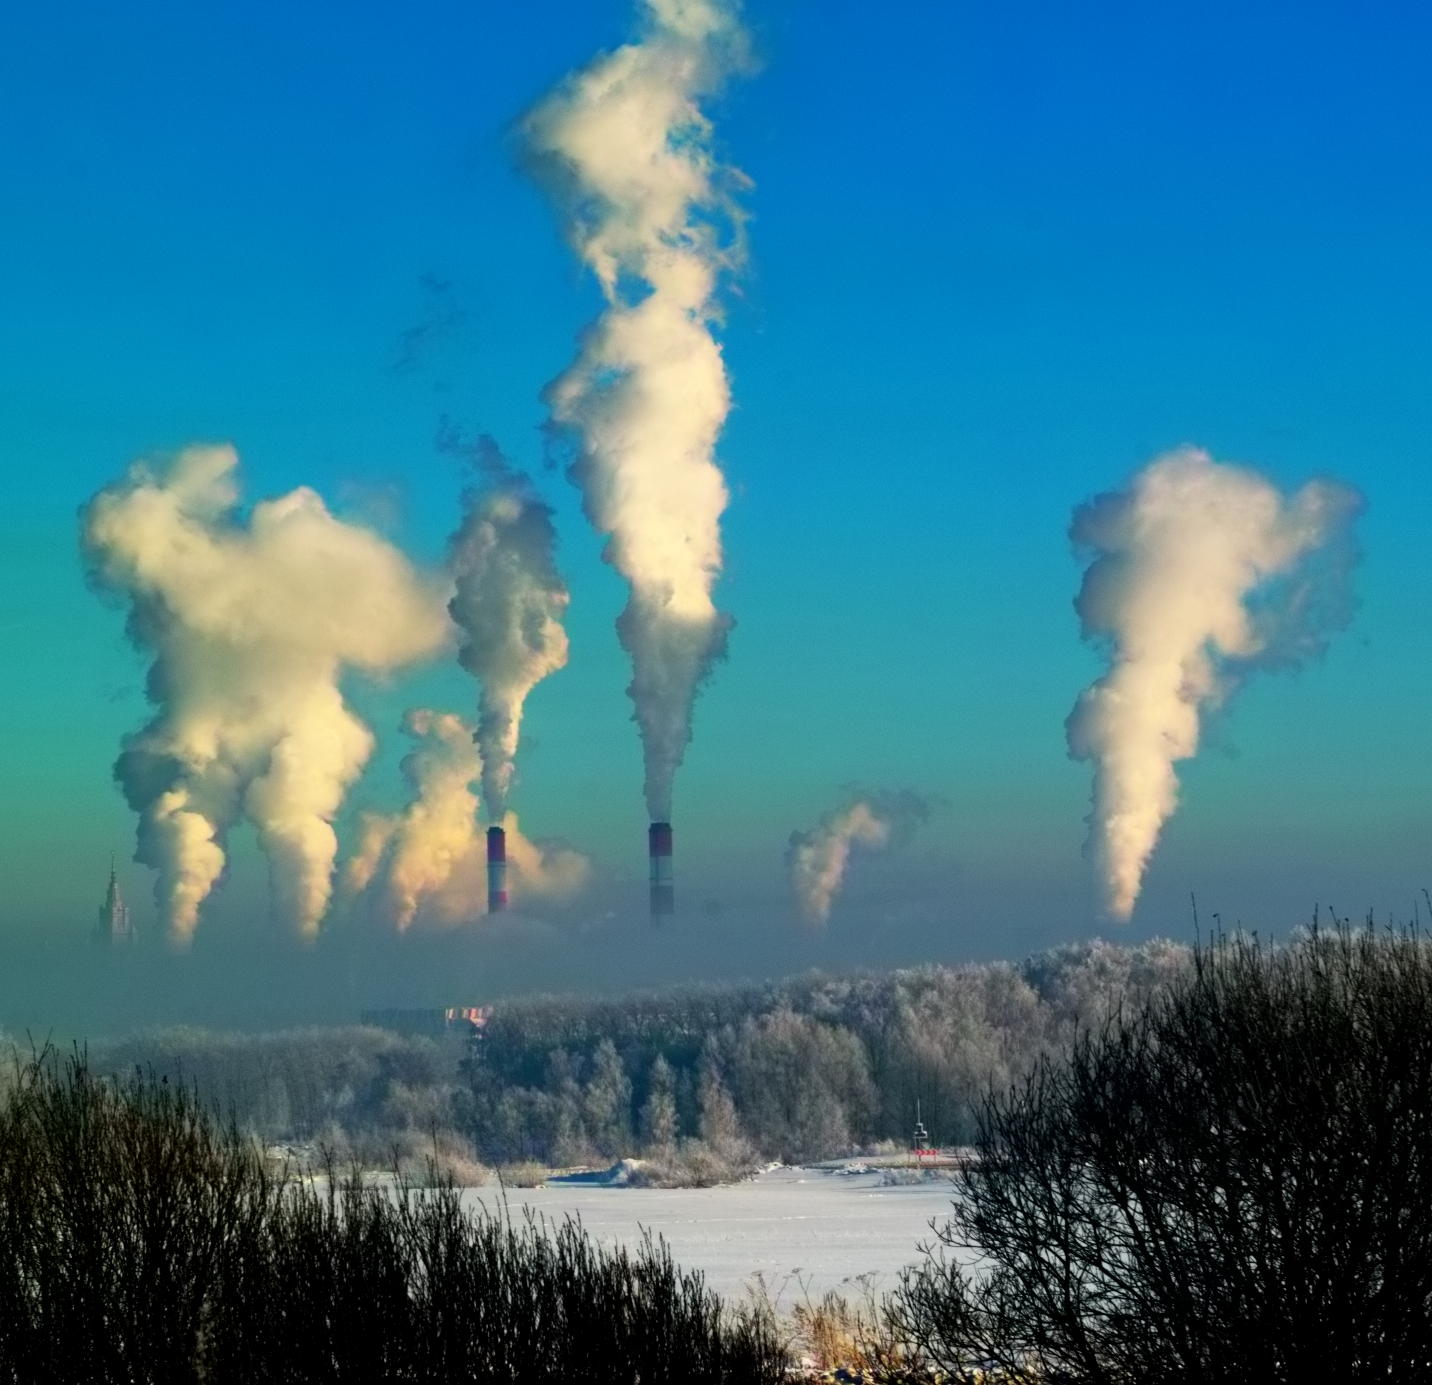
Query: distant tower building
column 114, row 924
column 920, row 1141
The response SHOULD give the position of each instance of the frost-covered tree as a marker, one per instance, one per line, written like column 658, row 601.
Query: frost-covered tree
column 658, row 1112
column 606, row 1102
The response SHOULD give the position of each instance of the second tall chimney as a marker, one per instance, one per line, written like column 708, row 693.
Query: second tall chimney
column 663, row 890
column 496, row 870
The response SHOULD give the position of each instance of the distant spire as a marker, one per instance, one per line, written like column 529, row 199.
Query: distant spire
column 115, row 924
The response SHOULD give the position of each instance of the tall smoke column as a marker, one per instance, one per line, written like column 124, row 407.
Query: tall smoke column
column 663, row 886
column 816, row 860
column 496, row 870
column 625, row 150
column 251, row 624
column 509, row 602
column 1200, row 572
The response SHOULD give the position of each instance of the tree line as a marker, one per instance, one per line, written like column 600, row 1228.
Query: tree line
column 711, row 1077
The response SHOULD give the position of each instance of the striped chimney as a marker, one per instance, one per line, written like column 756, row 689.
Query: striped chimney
column 663, row 891
column 496, row 870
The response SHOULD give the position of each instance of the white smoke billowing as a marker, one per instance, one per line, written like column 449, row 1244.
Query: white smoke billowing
column 626, row 151
column 1200, row 571
column 421, row 847
column 509, row 603
column 816, row 861
column 432, row 856
column 251, row 623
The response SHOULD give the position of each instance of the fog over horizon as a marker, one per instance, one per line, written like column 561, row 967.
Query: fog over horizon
column 964, row 546
column 245, row 970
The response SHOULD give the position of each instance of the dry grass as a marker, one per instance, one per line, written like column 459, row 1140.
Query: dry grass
column 840, row 1338
column 441, row 1158
column 524, row 1175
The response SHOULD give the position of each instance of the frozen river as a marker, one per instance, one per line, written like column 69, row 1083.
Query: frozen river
column 789, row 1225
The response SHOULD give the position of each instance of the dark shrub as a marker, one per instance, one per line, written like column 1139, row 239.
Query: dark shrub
column 142, row 1242
column 1234, row 1185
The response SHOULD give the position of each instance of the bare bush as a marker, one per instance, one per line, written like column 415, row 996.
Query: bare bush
column 142, row 1243
column 1234, row 1183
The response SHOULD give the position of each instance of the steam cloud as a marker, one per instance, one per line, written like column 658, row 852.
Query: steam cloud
column 432, row 855
column 816, row 861
column 251, row 625
column 1200, row 572
column 509, row 603
column 626, row 151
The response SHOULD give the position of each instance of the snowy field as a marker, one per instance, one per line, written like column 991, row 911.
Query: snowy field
column 789, row 1225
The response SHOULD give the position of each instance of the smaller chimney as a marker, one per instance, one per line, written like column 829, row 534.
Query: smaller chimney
column 663, row 891
column 496, row 870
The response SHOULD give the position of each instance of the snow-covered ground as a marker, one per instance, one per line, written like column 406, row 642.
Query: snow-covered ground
column 793, row 1226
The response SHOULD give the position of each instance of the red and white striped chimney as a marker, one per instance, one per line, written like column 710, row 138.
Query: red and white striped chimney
column 663, row 890
column 496, row 870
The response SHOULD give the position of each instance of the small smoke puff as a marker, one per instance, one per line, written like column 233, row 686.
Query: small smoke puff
column 543, row 869
column 1200, row 572
column 430, row 859
column 626, row 151
column 816, row 861
column 509, row 601
column 251, row 625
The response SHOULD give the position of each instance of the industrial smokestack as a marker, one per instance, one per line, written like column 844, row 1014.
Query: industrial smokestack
column 430, row 858
column 496, row 870
column 663, row 890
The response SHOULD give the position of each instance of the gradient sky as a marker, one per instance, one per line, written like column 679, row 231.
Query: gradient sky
column 1000, row 257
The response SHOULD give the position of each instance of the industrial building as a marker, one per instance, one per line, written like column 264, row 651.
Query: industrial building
column 455, row 1021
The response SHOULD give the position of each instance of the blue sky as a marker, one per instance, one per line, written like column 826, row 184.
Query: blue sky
column 1000, row 257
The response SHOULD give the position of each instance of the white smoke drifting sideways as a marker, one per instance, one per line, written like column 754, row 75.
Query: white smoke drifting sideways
column 816, row 861
column 251, row 625
column 432, row 855
column 1200, row 571
column 509, row 603
column 626, row 151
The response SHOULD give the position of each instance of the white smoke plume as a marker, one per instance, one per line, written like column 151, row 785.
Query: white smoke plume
column 816, row 861
column 509, row 603
column 626, row 151
column 432, row 856
column 251, row 623
column 1200, row 572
